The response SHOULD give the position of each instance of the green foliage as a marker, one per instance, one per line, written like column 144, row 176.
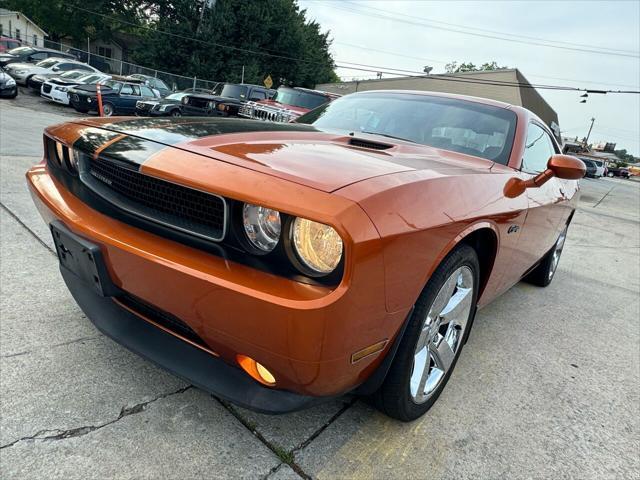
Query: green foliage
column 60, row 19
column 269, row 38
column 453, row 67
column 178, row 36
column 624, row 156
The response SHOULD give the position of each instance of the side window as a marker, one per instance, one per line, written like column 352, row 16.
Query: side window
column 128, row 89
column 257, row 95
column 537, row 150
column 64, row 67
column 38, row 56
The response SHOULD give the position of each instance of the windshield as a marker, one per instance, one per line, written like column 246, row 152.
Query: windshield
column 176, row 96
column 21, row 51
column 299, row 98
column 47, row 63
column 234, row 91
column 598, row 163
column 450, row 124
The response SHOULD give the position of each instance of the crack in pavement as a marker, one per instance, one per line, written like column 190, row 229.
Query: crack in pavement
column 33, row 234
column 287, row 457
column 26, row 352
column 52, row 435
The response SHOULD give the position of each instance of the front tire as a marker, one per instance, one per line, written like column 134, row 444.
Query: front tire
column 176, row 113
column 437, row 330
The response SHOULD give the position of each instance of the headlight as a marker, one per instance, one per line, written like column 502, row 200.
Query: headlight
column 74, row 156
column 11, row 82
column 62, row 89
column 262, row 226
column 318, row 246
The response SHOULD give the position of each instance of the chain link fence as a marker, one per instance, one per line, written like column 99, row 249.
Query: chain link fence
column 107, row 63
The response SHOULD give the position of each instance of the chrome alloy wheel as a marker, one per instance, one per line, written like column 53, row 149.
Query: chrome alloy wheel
column 557, row 251
column 442, row 333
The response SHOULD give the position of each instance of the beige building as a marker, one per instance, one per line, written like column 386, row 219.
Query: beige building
column 17, row 25
column 490, row 84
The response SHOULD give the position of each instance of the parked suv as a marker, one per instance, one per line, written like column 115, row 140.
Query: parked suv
column 8, row 43
column 119, row 96
column 287, row 105
column 227, row 103
column 31, row 55
column 592, row 170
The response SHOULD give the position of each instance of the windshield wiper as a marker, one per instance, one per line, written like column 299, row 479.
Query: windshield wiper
column 388, row 136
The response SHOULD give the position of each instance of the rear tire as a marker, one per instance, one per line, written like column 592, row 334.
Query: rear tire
column 107, row 109
column 543, row 274
column 433, row 340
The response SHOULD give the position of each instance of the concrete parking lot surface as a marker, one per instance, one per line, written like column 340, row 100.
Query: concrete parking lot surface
column 547, row 386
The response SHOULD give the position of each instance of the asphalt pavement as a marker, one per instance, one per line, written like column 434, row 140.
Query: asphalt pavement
column 547, row 386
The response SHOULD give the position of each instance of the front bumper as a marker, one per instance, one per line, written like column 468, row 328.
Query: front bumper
column 304, row 334
column 8, row 91
column 57, row 96
column 180, row 358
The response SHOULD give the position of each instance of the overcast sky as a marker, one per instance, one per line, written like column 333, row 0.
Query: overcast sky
column 360, row 35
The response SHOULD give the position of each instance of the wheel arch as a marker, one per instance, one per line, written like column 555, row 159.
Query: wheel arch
column 484, row 238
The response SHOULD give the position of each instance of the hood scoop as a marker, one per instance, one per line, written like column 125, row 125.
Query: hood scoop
column 358, row 142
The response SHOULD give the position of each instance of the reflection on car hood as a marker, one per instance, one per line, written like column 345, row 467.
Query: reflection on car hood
column 300, row 153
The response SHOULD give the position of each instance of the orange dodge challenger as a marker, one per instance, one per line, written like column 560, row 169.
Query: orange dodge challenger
column 279, row 265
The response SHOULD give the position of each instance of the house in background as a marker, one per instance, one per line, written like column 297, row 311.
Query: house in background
column 17, row 25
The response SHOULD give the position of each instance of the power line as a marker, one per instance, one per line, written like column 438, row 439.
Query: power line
column 396, row 54
column 416, row 21
column 350, row 65
column 508, row 34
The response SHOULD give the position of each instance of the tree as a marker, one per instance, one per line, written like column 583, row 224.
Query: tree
column 453, row 67
column 265, row 37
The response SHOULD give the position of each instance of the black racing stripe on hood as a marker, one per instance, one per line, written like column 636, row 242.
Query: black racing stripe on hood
column 123, row 148
column 132, row 150
column 169, row 131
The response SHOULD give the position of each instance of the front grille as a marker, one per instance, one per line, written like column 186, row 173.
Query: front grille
column 143, row 106
column 165, row 319
column 46, row 88
column 170, row 204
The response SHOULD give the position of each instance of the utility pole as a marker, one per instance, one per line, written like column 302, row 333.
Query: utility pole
column 586, row 139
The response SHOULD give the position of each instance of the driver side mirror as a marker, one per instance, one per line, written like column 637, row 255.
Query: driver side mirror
column 561, row 166
column 55, row 69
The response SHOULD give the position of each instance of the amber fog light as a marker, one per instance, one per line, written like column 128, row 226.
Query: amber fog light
column 256, row 370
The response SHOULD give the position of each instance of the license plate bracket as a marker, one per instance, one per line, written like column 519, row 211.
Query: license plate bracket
column 82, row 258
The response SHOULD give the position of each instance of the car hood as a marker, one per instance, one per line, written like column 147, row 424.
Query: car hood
column 25, row 66
column 284, row 106
column 300, row 153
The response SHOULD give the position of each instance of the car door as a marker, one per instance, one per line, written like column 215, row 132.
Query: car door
column 129, row 95
column 546, row 204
